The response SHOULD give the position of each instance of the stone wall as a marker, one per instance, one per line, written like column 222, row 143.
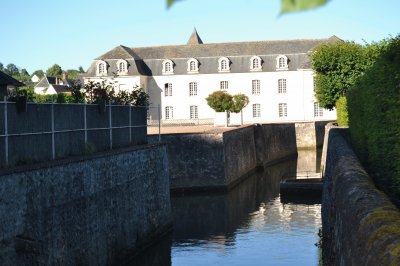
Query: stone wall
column 360, row 224
column 93, row 210
column 274, row 142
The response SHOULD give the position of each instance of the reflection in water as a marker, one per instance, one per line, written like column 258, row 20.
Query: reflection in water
column 247, row 226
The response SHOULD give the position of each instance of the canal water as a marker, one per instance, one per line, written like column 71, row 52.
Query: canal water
column 250, row 225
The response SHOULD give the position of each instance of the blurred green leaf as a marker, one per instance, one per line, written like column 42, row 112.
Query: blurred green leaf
column 299, row 5
column 170, row 2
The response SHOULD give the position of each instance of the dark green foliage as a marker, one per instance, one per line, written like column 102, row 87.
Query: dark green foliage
column 240, row 101
column 337, row 66
column 54, row 71
column 220, row 101
column 38, row 73
column 342, row 112
column 374, row 117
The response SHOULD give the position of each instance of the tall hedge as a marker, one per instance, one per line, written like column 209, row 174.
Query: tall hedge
column 374, row 118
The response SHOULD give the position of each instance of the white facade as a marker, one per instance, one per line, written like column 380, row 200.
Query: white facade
column 299, row 96
column 275, row 75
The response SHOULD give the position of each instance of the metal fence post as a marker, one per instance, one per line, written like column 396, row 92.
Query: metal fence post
column 130, row 123
column 85, row 122
column 159, row 123
column 109, row 117
column 53, row 148
column 5, row 129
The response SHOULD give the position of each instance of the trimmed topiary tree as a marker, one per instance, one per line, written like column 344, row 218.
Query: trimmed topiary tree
column 220, row 101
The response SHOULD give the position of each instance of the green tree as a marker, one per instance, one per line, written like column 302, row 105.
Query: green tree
column 220, row 101
column 337, row 67
column 240, row 101
column 39, row 73
column 72, row 73
column 54, row 71
column 81, row 70
column 23, row 75
column 1, row 66
column 11, row 69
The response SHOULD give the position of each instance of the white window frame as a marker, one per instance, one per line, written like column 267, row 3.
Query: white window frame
column 167, row 89
column 223, row 85
column 194, row 112
column 193, row 65
column 282, row 62
column 124, row 64
column 282, row 110
column 256, row 107
column 169, row 112
column 318, row 111
column 255, row 87
column 192, row 88
column 255, row 63
column 224, row 64
column 167, row 67
column 104, row 69
column 282, row 85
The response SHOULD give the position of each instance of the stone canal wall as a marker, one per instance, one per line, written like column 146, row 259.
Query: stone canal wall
column 205, row 161
column 360, row 224
column 92, row 210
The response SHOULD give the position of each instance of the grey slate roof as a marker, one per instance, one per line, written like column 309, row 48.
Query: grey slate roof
column 148, row 60
column 61, row 88
column 46, row 81
column 194, row 38
column 8, row 80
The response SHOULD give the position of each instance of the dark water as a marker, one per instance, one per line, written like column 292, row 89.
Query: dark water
column 247, row 226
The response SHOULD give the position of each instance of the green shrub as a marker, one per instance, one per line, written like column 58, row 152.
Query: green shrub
column 220, row 101
column 341, row 112
column 374, row 117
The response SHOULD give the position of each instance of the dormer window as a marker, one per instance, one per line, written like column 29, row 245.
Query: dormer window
column 122, row 67
column 101, row 68
column 193, row 66
column 282, row 62
column 223, row 64
column 168, row 67
column 255, row 63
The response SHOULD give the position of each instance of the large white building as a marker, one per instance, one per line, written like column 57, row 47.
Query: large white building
column 275, row 75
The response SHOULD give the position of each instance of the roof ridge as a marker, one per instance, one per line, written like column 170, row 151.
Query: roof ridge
column 225, row 43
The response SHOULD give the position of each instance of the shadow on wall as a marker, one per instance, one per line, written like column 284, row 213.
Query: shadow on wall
column 155, row 95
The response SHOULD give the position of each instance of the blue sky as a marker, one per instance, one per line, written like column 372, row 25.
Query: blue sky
column 71, row 33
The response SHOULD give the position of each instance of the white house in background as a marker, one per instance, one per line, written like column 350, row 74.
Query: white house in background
column 276, row 75
column 53, row 85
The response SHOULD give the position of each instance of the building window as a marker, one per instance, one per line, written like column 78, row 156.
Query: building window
column 314, row 87
column 122, row 67
column 318, row 111
column 223, row 64
column 101, row 68
column 256, row 110
column 282, row 110
column 281, row 85
column 169, row 112
column 255, row 63
column 193, row 112
column 192, row 88
column 282, row 62
column 224, row 85
column 168, row 89
column 167, row 67
column 255, row 87
column 193, row 66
